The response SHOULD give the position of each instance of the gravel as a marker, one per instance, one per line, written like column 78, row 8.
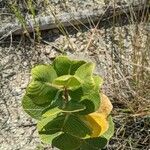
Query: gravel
column 18, row 130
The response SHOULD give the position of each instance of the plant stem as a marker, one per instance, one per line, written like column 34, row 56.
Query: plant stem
column 65, row 94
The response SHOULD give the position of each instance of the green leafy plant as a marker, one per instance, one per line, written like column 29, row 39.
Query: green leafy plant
column 66, row 100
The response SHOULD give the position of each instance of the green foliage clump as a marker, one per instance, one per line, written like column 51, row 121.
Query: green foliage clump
column 60, row 96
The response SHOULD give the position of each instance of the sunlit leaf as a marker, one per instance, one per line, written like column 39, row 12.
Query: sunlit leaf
column 66, row 100
column 75, row 65
column 76, row 127
column 67, row 81
column 98, row 82
column 62, row 65
column 31, row 108
column 43, row 73
column 47, row 135
column 48, row 138
column 40, row 89
column 91, row 101
column 52, row 111
column 41, row 92
column 88, row 86
column 98, row 123
column 73, row 107
column 85, row 71
column 98, row 142
column 109, row 133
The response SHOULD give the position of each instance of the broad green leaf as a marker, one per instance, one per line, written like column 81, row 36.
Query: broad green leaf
column 58, row 101
column 62, row 65
column 98, row 82
column 31, row 108
column 40, row 90
column 41, row 93
column 89, row 107
column 91, row 101
column 61, row 124
column 76, row 94
column 76, row 127
column 70, row 107
column 51, row 112
column 44, row 73
column 55, row 124
column 99, row 142
column 67, row 81
column 47, row 135
column 47, row 138
column 67, row 123
column 85, row 71
column 66, row 142
column 109, row 133
column 55, row 105
column 93, row 144
column 73, row 107
column 75, row 65
column 91, row 97
column 88, row 86
column 44, row 121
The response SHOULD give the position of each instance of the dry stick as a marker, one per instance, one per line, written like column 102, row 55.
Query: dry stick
column 60, row 26
column 93, row 32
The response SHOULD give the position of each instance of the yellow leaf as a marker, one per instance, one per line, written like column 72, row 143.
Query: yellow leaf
column 105, row 106
column 98, row 123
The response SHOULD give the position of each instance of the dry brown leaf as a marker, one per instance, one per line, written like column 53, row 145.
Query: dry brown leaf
column 105, row 106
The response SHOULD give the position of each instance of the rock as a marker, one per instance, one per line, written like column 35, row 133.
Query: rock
column 24, row 85
column 25, row 64
column 47, row 50
column 79, row 34
column 82, row 48
column 73, row 40
column 17, row 92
